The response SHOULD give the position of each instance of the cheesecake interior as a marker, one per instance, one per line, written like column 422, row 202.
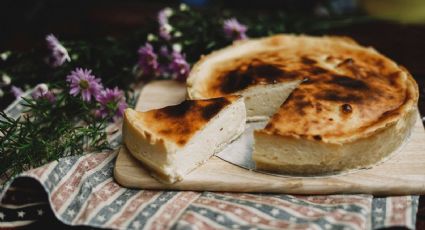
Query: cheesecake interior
column 263, row 101
column 168, row 160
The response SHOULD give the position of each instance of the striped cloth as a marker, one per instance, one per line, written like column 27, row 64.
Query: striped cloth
column 81, row 191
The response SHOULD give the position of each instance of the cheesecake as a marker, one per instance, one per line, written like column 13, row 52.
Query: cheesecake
column 348, row 107
column 172, row 141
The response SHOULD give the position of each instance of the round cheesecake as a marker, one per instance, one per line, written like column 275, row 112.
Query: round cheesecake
column 345, row 106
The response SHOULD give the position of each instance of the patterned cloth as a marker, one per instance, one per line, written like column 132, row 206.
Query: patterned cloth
column 81, row 191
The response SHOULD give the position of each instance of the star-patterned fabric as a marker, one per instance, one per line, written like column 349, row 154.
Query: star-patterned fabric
column 80, row 190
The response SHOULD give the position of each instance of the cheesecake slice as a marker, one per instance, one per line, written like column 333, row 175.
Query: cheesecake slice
column 174, row 140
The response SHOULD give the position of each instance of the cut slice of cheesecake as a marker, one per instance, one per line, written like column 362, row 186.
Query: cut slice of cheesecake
column 174, row 140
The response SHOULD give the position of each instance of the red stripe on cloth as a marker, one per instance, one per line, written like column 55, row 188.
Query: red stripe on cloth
column 339, row 215
column 73, row 179
column 96, row 199
column 167, row 215
column 38, row 172
column 197, row 221
column 398, row 212
column 44, row 170
column 129, row 210
column 332, row 200
column 303, row 211
column 242, row 212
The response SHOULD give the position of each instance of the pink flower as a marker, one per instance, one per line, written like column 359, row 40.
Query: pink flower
column 58, row 54
column 112, row 102
column 81, row 81
column 234, row 30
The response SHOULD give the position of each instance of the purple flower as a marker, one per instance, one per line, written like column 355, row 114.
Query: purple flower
column 148, row 60
column 163, row 51
column 163, row 15
column 58, row 54
column 16, row 91
column 163, row 68
column 234, row 30
column 81, row 81
column 164, row 27
column 179, row 67
column 41, row 91
column 165, row 31
column 112, row 102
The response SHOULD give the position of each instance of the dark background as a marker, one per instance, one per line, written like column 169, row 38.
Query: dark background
column 24, row 24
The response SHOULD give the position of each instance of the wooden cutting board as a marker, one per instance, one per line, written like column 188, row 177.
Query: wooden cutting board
column 400, row 175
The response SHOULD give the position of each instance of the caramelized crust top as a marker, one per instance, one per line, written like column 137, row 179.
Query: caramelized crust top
column 178, row 123
column 348, row 89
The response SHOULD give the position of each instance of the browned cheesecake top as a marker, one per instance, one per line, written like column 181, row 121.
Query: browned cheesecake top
column 241, row 74
column 178, row 123
column 348, row 90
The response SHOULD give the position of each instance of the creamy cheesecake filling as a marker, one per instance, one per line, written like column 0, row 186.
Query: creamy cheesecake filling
column 222, row 129
column 169, row 161
column 263, row 101
column 293, row 156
